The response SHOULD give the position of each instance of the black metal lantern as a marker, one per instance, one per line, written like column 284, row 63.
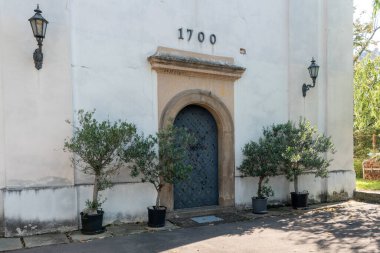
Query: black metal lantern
column 313, row 71
column 38, row 24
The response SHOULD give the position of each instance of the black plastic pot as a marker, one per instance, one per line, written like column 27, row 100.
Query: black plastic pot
column 299, row 199
column 156, row 216
column 92, row 223
column 259, row 205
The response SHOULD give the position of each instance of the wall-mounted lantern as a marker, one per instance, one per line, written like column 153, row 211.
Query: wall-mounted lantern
column 313, row 71
column 39, row 25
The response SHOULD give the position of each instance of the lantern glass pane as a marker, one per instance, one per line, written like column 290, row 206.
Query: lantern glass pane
column 313, row 71
column 33, row 25
column 44, row 29
column 39, row 26
column 316, row 71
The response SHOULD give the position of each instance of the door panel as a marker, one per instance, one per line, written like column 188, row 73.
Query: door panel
column 201, row 188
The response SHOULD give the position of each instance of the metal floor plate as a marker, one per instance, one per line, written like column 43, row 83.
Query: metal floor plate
column 206, row 219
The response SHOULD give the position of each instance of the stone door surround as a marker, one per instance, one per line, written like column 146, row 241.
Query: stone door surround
column 187, row 78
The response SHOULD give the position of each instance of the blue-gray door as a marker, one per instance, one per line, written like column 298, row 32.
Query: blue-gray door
column 201, row 188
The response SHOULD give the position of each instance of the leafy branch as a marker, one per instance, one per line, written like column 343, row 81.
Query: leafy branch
column 96, row 146
column 160, row 159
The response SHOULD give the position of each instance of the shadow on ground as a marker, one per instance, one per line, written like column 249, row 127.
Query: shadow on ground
column 354, row 225
column 349, row 227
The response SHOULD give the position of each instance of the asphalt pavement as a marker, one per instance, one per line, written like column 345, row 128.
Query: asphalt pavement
column 348, row 227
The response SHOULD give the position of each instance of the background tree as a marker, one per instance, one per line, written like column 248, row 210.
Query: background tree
column 364, row 32
column 367, row 94
column 366, row 87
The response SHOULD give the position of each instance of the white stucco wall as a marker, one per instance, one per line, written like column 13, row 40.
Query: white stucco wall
column 111, row 72
column 95, row 56
column 339, row 83
column 35, row 103
column 124, row 202
column 320, row 29
column 40, row 210
column 33, row 109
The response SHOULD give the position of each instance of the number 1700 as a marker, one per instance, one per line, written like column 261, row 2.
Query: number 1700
column 201, row 36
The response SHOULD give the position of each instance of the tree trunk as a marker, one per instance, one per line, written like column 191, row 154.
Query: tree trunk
column 158, row 199
column 259, row 189
column 296, row 183
column 374, row 143
column 95, row 191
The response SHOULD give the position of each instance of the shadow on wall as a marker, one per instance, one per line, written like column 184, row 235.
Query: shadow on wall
column 1, row 226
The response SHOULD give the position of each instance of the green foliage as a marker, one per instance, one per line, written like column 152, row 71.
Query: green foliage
column 376, row 7
column 303, row 150
column 362, row 184
column 363, row 142
column 266, row 190
column 366, row 105
column 96, row 146
column 92, row 207
column 165, row 166
column 367, row 94
column 358, row 167
column 261, row 160
column 366, row 86
column 363, row 33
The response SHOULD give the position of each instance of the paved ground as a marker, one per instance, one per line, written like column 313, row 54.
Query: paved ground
column 348, row 227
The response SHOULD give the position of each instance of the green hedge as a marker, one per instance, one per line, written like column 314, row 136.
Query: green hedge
column 358, row 167
column 363, row 142
column 362, row 147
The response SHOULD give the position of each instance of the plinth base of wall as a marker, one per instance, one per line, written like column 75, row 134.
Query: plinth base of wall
column 367, row 196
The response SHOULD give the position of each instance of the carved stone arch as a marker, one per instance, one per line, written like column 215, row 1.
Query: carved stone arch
column 226, row 150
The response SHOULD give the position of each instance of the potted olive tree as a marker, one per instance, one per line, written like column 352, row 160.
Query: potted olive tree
column 303, row 151
column 95, row 146
column 261, row 160
column 160, row 159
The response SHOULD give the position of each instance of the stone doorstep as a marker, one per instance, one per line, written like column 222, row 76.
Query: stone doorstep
column 44, row 240
column 77, row 236
column 199, row 211
column 126, row 229
column 10, row 244
column 168, row 227
column 219, row 218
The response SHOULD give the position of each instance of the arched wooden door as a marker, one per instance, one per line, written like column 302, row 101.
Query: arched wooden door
column 201, row 188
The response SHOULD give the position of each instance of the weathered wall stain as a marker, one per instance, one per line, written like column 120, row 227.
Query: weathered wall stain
column 1, row 213
column 1, row 225
column 125, row 218
column 338, row 196
column 41, row 182
column 19, row 227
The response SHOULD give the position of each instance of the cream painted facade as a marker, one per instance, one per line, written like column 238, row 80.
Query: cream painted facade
column 96, row 56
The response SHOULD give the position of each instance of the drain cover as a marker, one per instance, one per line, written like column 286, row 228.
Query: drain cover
column 206, row 219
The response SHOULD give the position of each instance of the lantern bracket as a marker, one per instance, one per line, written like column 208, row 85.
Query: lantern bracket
column 306, row 87
column 38, row 24
column 313, row 71
column 38, row 58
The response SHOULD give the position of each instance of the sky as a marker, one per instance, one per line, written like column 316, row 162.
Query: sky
column 365, row 5
column 362, row 5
